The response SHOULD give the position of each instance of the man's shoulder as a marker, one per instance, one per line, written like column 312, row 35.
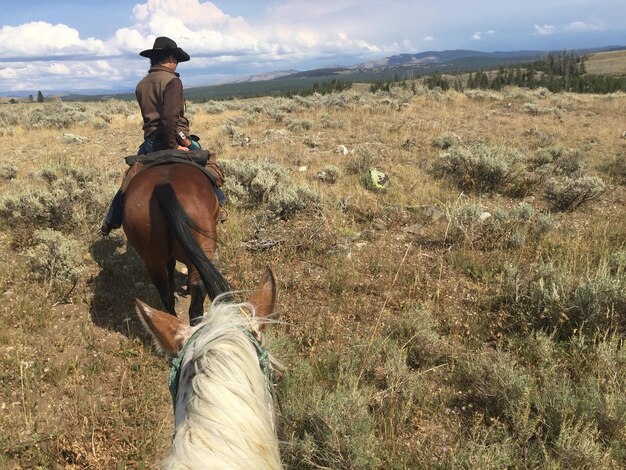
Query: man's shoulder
column 158, row 75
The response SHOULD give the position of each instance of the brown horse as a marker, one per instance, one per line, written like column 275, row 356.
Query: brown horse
column 170, row 214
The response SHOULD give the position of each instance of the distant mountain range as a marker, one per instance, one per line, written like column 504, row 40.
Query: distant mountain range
column 387, row 68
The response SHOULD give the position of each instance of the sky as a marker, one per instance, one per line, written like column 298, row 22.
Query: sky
column 87, row 44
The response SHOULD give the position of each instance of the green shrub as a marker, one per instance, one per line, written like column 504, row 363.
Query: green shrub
column 567, row 194
column 253, row 184
column 56, row 259
column 65, row 198
column 364, row 159
column 295, row 125
column 446, row 140
column 329, row 427
column 472, row 225
column 551, row 299
column 8, row 171
column 329, row 174
column 483, row 168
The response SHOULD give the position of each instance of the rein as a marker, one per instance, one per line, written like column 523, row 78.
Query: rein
column 176, row 362
column 261, row 352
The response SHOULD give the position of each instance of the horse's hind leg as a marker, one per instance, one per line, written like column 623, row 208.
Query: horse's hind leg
column 161, row 281
column 171, row 275
column 198, row 294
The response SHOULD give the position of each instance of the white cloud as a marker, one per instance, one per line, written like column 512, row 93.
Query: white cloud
column 38, row 38
column 545, row 30
column 476, row 36
column 491, row 31
column 580, row 26
column 429, row 38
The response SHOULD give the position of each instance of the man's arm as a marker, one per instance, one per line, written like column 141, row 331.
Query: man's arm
column 172, row 102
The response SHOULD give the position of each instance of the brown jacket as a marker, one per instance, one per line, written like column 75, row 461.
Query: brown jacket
column 160, row 97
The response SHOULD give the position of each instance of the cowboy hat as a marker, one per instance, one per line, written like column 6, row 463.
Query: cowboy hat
column 164, row 45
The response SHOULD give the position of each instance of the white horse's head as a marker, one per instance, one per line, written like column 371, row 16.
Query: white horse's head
column 220, row 383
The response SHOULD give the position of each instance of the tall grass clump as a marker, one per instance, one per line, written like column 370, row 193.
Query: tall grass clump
column 482, row 168
column 255, row 184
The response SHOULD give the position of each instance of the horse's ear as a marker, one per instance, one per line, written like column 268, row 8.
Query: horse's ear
column 168, row 332
column 264, row 297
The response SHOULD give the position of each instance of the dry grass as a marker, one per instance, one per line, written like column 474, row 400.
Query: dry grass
column 613, row 63
column 423, row 326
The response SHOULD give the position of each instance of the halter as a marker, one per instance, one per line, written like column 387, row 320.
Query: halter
column 261, row 352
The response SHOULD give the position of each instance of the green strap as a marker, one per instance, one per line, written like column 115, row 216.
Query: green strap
column 177, row 361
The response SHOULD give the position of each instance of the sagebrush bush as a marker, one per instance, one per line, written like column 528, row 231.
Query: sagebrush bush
column 534, row 110
column 254, row 184
column 446, row 140
column 66, row 198
column 492, row 383
column 557, row 161
column 551, row 299
column 522, row 401
column 424, row 346
column 295, row 125
column 329, row 427
column 328, row 122
column 329, row 174
column 483, row 95
column 56, row 259
column 472, row 225
column 8, row 171
column 364, row 159
column 213, row 107
column 483, row 168
column 567, row 194
column 615, row 167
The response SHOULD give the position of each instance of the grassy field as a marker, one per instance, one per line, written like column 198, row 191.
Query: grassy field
column 470, row 315
column 612, row 63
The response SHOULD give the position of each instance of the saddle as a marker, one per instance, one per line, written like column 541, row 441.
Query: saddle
column 204, row 160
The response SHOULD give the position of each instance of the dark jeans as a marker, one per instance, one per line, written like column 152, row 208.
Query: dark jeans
column 115, row 213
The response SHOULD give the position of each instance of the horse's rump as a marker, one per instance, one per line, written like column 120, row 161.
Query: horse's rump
column 170, row 213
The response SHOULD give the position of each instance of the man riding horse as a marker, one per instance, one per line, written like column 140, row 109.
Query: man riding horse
column 160, row 97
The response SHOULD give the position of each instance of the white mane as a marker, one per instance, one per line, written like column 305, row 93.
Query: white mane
column 224, row 410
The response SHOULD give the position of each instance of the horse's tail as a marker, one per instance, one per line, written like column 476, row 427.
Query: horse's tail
column 180, row 223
